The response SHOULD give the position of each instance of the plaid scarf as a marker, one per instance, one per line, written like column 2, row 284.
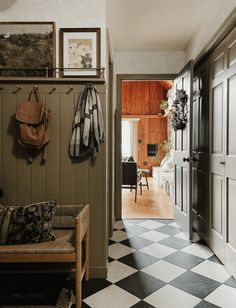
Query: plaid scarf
column 88, row 127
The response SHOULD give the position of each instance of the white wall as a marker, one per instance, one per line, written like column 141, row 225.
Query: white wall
column 212, row 22
column 148, row 62
column 65, row 13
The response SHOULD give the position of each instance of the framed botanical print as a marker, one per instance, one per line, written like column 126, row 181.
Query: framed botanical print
column 80, row 52
column 27, row 49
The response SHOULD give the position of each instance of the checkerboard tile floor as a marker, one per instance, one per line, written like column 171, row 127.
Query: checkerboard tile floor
column 152, row 264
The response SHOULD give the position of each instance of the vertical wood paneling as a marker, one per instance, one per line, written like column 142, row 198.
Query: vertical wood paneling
column 153, row 108
column 129, row 91
column 1, row 144
column 52, row 176
column 97, row 180
column 142, row 97
column 60, row 178
column 124, row 94
column 152, row 131
column 67, row 168
column 24, row 191
column 81, row 175
column 9, row 159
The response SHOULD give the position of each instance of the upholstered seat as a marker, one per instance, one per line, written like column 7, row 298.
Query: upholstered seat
column 62, row 244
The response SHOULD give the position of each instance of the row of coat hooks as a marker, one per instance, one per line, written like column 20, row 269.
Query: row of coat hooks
column 19, row 88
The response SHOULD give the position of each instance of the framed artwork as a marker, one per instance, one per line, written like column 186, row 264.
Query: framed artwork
column 27, row 49
column 80, row 52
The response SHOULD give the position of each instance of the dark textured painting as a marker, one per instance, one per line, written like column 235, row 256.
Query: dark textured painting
column 27, row 49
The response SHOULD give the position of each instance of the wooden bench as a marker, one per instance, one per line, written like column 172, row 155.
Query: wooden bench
column 71, row 229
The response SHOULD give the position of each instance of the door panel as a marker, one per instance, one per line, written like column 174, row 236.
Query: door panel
column 217, row 120
column 217, row 207
column 223, row 154
column 231, row 119
column 200, row 165
column 183, row 146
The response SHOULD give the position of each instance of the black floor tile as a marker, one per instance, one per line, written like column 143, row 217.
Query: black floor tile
column 140, row 284
column 195, row 284
column 142, row 304
column 170, row 230
column 110, row 259
column 215, row 259
column 136, row 242
column 94, row 285
column 110, row 242
column 175, row 242
column 138, row 260
column 136, row 230
column 231, row 282
column 183, row 259
column 204, row 304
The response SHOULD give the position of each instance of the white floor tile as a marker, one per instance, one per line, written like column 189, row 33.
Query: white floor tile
column 111, row 296
column 224, row 297
column 118, row 250
column 212, row 270
column 119, row 236
column 120, row 224
column 170, row 297
column 181, row 236
column 151, row 224
column 154, row 236
column 164, row 271
column 198, row 250
column 118, row 271
column 174, row 224
column 158, row 251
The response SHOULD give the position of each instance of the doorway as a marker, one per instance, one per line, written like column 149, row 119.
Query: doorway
column 145, row 131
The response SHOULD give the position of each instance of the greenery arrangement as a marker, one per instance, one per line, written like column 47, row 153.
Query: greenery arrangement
column 164, row 105
column 166, row 146
column 179, row 118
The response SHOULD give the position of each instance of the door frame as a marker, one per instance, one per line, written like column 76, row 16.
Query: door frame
column 118, row 117
column 217, row 37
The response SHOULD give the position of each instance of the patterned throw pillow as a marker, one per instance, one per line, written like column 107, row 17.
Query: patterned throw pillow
column 27, row 224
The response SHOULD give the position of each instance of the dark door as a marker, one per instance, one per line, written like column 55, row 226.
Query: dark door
column 183, row 157
column 200, row 157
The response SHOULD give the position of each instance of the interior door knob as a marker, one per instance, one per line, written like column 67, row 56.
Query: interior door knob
column 186, row 159
column 196, row 159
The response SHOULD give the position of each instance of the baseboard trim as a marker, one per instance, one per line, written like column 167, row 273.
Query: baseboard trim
column 98, row 272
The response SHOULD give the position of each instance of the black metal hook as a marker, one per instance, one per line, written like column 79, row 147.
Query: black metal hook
column 18, row 88
column 53, row 89
column 70, row 89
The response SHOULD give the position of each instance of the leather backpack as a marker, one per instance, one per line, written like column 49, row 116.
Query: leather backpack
column 32, row 117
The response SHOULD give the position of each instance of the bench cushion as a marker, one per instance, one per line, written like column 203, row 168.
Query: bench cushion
column 63, row 243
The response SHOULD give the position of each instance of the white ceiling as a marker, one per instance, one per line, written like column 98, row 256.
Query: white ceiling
column 154, row 24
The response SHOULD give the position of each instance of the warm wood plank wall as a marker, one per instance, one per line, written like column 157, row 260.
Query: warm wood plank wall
column 152, row 131
column 60, row 178
column 144, row 98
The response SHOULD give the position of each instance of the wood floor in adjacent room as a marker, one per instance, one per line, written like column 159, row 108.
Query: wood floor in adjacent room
column 153, row 203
